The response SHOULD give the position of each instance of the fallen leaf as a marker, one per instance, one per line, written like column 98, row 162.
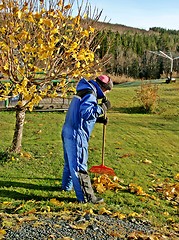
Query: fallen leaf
column 119, row 215
column 81, row 226
column 146, row 161
column 55, row 202
column 2, row 232
column 104, row 211
column 177, row 176
column 126, row 155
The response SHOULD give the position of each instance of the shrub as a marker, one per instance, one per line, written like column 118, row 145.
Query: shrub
column 147, row 96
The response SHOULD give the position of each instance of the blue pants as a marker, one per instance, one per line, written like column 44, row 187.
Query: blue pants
column 75, row 157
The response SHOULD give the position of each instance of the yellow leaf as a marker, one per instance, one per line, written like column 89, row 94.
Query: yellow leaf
column 90, row 211
column 19, row 14
column 60, row 3
column 7, row 203
column 166, row 214
column 119, row 215
column 3, row 30
column 2, row 6
column 26, row 155
column 146, row 161
column 85, row 16
column 74, row 45
column 81, row 57
column 46, row 22
column 177, row 176
column 104, row 211
column 77, row 19
column 78, row 64
column 85, row 33
column 30, row 18
column 2, row 232
column 133, row 214
column 81, row 226
column 54, row 31
column 67, row 7
column 55, row 202
column 91, row 29
column 6, row 66
column 48, row 209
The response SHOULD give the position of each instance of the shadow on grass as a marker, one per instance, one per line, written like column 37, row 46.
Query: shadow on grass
column 28, row 186
column 21, row 196
column 17, row 195
column 131, row 110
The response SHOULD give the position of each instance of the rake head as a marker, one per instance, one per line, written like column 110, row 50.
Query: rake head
column 102, row 169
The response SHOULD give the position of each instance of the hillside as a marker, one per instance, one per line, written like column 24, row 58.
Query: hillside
column 123, row 28
column 119, row 27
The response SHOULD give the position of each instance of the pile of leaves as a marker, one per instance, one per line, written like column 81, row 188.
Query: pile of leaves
column 170, row 191
column 104, row 183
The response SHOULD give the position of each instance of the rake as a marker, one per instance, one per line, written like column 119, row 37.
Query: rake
column 102, row 169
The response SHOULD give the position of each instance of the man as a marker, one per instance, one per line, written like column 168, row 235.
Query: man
column 82, row 114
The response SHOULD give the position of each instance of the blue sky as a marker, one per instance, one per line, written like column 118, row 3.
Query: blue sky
column 140, row 13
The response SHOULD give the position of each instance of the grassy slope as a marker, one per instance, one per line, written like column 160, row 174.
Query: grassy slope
column 132, row 138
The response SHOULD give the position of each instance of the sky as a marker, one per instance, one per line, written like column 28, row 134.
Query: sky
column 142, row 14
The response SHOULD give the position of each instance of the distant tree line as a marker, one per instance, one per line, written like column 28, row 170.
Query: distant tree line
column 131, row 56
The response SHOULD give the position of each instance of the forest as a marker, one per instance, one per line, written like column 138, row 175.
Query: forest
column 132, row 51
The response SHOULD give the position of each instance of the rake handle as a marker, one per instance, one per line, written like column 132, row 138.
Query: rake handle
column 103, row 141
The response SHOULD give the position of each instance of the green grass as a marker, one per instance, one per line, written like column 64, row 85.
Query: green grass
column 133, row 138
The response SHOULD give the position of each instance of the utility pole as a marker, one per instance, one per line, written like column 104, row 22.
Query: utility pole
column 162, row 54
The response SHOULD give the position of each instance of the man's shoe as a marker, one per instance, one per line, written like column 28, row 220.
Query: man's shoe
column 97, row 200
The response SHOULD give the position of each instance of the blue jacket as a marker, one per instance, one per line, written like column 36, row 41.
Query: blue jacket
column 82, row 113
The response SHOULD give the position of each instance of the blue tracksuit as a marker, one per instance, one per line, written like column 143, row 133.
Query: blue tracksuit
column 79, row 123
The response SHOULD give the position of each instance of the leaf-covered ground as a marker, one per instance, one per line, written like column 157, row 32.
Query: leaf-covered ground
column 92, row 224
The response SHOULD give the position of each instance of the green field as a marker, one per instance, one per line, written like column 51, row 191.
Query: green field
column 143, row 149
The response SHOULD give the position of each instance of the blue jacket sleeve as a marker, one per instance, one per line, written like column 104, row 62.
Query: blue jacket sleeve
column 89, row 108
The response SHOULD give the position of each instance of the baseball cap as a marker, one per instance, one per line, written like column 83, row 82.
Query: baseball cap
column 105, row 82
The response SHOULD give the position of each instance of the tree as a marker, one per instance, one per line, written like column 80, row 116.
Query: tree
column 40, row 36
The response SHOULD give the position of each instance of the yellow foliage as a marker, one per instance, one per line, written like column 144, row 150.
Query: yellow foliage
column 104, row 182
column 35, row 41
column 46, row 22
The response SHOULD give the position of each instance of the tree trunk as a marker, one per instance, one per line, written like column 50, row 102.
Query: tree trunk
column 17, row 138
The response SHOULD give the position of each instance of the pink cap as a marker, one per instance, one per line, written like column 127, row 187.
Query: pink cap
column 104, row 78
column 105, row 82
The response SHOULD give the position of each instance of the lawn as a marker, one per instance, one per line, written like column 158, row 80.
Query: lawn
column 143, row 150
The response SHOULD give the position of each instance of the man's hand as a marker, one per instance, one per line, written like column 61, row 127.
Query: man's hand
column 102, row 120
